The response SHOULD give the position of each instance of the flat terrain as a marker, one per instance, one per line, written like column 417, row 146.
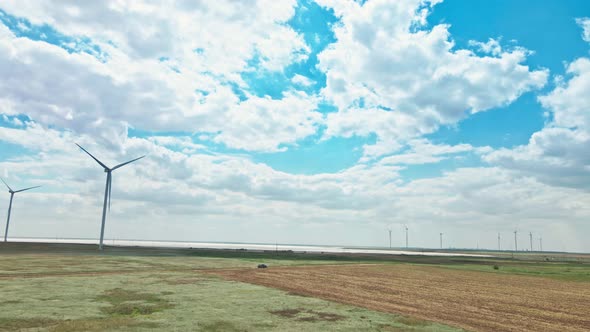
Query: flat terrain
column 62, row 287
column 75, row 288
column 482, row 301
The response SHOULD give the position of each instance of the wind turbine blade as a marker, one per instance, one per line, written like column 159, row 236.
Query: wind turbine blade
column 10, row 189
column 98, row 161
column 18, row 191
column 125, row 163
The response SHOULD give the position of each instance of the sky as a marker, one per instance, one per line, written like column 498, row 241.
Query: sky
column 302, row 122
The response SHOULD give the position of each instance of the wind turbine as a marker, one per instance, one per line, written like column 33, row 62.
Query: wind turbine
column 499, row 247
column 441, row 234
column 406, row 227
column 12, row 192
column 515, row 241
column 107, row 189
column 390, row 238
column 531, row 237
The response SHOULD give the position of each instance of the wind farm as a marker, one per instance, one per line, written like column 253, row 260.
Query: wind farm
column 300, row 165
column 207, row 270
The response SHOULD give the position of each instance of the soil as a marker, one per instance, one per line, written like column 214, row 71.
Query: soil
column 477, row 301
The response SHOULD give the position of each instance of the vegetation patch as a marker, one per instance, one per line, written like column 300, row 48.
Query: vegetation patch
column 411, row 321
column 220, row 326
column 288, row 313
column 17, row 324
column 131, row 303
column 101, row 324
column 307, row 315
column 183, row 281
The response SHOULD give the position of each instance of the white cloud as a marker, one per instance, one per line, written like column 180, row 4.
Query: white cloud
column 558, row 154
column 264, row 124
column 207, row 197
column 423, row 152
column 301, row 80
column 584, row 23
column 81, row 93
column 177, row 28
column 492, row 46
column 412, row 82
column 569, row 103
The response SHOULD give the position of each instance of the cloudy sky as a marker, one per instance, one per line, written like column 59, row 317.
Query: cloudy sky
column 311, row 122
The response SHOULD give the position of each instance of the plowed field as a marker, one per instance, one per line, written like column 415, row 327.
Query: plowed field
column 477, row 301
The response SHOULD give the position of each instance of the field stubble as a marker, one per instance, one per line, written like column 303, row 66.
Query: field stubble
column 467, row 299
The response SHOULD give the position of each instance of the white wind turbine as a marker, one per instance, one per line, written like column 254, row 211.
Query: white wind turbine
column 406, row 227
column 12, row 192
column 107, row 190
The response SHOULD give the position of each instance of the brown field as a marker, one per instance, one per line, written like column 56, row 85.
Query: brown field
column 471, row 300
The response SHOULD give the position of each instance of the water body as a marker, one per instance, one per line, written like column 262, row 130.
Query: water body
column 245, row 246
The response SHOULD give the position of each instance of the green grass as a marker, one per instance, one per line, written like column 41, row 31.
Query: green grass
column 565, row 271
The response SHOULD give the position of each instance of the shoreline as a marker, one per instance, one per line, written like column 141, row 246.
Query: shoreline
column 142, row 245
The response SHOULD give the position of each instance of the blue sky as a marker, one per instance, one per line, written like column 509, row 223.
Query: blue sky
column 304, row 115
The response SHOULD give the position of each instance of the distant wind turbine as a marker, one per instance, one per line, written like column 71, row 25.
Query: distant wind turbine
column 389, row 238
column 107, row 190
column 499, row 246
column 441, row 234
column 515, row 241
column 540, row 243
column 406, row 227
column 12, row 192
column 531, row 238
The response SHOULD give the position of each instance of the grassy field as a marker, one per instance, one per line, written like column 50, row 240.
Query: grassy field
column 76, row 288
column 73, row 288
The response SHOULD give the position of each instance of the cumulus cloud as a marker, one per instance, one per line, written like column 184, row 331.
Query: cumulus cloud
column 492, row 46
column 423, row 152
column 558, row 154
column 584, row 23
column 103, row 98
column 177, row 28
column 413, row 81
column 172, row 194
column 301, row 80
column 391, row 79
column 569, row 102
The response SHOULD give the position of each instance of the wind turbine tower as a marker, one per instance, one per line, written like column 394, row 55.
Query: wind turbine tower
column 531, row 238
column 499, row 246
column 406, row 227
column 441, row 234
column 12, row 192
column 515, row 242
column 107, row 190
column 389, row 238
column 540, row 243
